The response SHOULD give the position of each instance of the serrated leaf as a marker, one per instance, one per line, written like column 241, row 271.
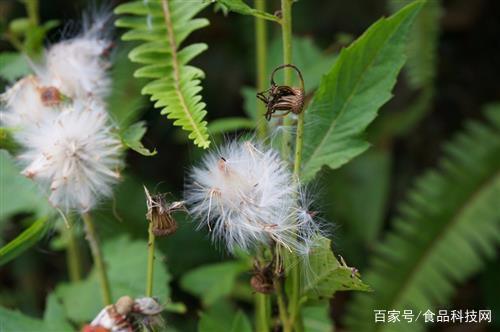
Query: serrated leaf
column 349, row 96
column 328, row 275
column 28, row 238
column 212, row 282
column 132, row 137
column 163, row 25
column 126, row 265
column 241, row 7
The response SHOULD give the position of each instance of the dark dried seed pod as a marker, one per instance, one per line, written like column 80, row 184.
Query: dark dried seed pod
column 160, row 214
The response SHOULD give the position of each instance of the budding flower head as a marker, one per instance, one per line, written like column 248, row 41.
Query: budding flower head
column 160, row 213
column 243, row 193
column 74, row 154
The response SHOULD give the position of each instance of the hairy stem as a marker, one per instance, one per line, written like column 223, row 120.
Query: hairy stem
column 294, row 319
column 151, row 260
column 97, row 256
column 286, row 36
column 261, row 62
column 73, row 255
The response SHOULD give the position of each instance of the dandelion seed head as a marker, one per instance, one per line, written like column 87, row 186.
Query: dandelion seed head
column 74, row 155
column 244, row 194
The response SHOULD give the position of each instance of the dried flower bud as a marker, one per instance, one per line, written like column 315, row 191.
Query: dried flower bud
column 160, row 213
column 50, row 96
column 147, row 306
column 262, row 279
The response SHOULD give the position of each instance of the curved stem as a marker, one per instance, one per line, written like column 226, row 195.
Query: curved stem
column 151, row 260
column 261, row 62
column 97, row 256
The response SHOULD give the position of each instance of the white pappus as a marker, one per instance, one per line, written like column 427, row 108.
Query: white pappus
column 78, row 66
column 245, row 194
column 75, row 155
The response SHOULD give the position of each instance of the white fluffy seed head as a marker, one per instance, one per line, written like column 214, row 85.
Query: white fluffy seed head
column 74, row 154
column 244, row 193
column 78, row 66
column 22, row 107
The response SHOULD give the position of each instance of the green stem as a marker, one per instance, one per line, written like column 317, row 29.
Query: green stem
column 286, row 35
column 73, row 255
column 262, row 312
column 261, row 62
column 32, row 10
column 280, row 297
column 151, row 260
column 97, row 256
column 294, row 318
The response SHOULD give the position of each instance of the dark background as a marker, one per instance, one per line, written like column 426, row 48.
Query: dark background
column 466, row 79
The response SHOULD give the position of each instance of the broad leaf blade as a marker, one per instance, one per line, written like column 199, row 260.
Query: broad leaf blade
column 349, row 96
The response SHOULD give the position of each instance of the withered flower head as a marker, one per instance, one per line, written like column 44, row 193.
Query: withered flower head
column 262, row 278
column 160, row 213
column 283, row 98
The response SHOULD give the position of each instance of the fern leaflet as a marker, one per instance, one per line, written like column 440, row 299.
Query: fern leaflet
column 162, row 26
column 448, row 227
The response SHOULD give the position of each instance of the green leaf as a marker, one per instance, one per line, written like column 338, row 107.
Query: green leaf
column 328, row 275
column 241, row 323
column 132, row 136
column 219, row 317
column 162, row 26
column 212, row 282
column 221, row 126
column 317, row 318
column 446, row 230
column 349, row 96
column 125, row 103
column 7, row 142
column 28, row 198
column 126, row 263
column 28, row 238
column 241, row 7
column 13, row 65
column 54, row 320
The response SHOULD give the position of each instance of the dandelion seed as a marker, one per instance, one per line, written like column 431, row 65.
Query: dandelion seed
column 244, row 193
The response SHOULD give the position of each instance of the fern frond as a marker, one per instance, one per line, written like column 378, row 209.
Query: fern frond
column 162, row 26
column 447, row 229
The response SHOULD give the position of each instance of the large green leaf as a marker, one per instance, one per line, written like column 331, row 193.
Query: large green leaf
column 212, row 282
column 351, row 93
column 326, row 275
column 447, row 228
column 218, row 317
column 13, row 65
column 126, row 263
column 162, row 26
